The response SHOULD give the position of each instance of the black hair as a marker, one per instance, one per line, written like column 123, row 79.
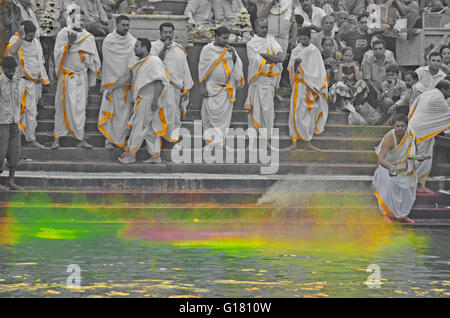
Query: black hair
column 400, row 117
column 379, row 41
column 393, row 68
column 166, row 25
column 443, row 85
column 434, row 54
column 222, row 30
column 145, row 42
column 28, row 26
column 9, row 62
column 122, row 18
column 413, row 74
column 363, row 15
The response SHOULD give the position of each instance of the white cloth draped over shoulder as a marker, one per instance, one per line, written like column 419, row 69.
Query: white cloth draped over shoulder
column 309, row 107
column 222, row 77
column 118, row 56
column 279, row 22
column 32, row 74
column 146, row 124
column 77, row 68
column 429, row 115
column 262, row 77
column 180, row 83
column 396, row 195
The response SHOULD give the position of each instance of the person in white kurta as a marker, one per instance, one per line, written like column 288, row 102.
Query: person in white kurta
column 220, row 73
column 174, row 58
column 118, row 56
column 429, row 115
column 308, row 108
column 77, row 66
column 395, row 179
column 149, row 86
column 265, row 58
column 27, row 50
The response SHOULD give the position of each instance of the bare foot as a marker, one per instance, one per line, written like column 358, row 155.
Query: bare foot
column 3, row 188
column 109, row 145
column 424, row 190
column 293, row 146
column 85, row 145
column 407, row 220
column 387, row 220
column 35, row 144
column 14, row 187
column 154, row 160
column 128, row 159
column 309, row 146
column 55, row 144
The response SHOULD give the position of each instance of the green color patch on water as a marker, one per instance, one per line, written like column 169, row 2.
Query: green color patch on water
column 299, row 248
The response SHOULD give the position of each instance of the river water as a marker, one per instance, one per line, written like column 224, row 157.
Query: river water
column 194, row 253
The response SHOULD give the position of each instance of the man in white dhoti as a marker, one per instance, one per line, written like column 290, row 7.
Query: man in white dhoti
column 27, row 50
column 118, row 56
column 429, row 116
column 149, row 86
column 221, row 73
column 265, row 58
column 395, row 179
column 77, row 66
column 174, row 58
column 308, row 109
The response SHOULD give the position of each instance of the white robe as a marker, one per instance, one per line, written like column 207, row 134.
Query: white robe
column 118, row 56
column 263, row 77
column 77, row 68
column 396, row 195
column 222, row 78
column 429, row 115
column 32, row 74
column 180, row 82
column 309, row 108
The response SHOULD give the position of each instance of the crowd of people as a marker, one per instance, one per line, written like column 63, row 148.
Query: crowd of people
column 333, row 56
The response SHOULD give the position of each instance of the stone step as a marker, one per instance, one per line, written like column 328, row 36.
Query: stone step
column 220, row 213
column 330, row 129
column 169, row 167
column 189, row 181
column 151, row 198
column 96, row 139
column 239, row 115
column 103, row 155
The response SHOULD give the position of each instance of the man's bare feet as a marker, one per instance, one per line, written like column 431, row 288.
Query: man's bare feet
column 407, row 220
column 85, row 145
column 109, row 145
column 293, row 146
column 309, row 146
column 127, row 159
column 154, row 160
column 55, row 144
column 424, row 190
column 13, row 186
column 35, row 144
column 387, row 220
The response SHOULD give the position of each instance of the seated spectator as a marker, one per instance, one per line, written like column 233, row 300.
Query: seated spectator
column 395, row 93
column 123, row 6
column 311, row 14
column 445, row 53
column 415, row 88
column 342, row 22
column 431, row 74
column 328, row 30
column 434, row 6
column 199, row 12
column 359, row 39
column 352, row 23
column 330, row 57
column 331, row 6
column 355, row 7
column 96, row 19
column 225, row 11
column 373, row 67
column 350, row 88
